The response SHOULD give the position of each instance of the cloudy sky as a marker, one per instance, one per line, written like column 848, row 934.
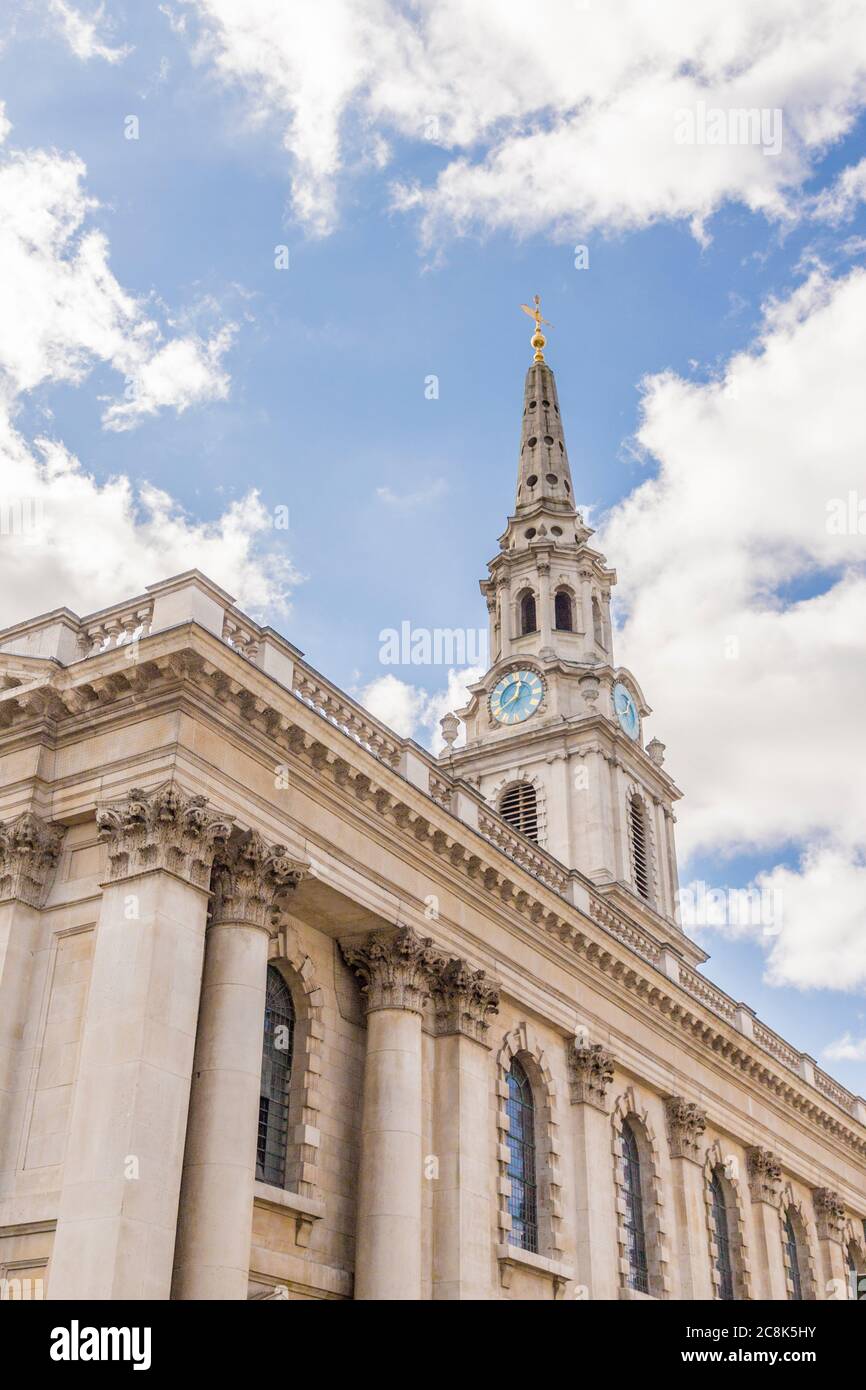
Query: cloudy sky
column 238, row 241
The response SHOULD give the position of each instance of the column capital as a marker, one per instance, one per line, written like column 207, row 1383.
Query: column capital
column 164, row 828
column 464, row 997
column 686, row 1123
column 29, row 850
column 398, row 968
column 829, row 1214
column 590, row 1071
column 765, row 1175
column 249, row 874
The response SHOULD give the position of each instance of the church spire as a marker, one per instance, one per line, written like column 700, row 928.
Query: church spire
column 543, row 476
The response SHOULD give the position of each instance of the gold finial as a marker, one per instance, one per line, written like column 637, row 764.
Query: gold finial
column 538, row 339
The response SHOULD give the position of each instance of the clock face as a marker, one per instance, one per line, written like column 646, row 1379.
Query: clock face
column 626, row 710
column 516, row 697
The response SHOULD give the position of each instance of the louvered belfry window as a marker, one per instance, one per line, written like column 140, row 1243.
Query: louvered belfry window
column 519, row 807
column 527, row 613
column 563, row 616
column 640, row 846
column 277, row 1048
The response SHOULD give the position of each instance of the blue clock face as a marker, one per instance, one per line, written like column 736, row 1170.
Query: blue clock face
column 626, row 710
column 516, row 697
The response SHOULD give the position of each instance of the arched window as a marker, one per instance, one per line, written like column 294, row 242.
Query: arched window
column 639, row 846
column 792, row 1258
column 276, row 1073
column 527, row 613
column 852, row 1273
column 518, row 805
column 638, row 1273
column 723, row 1240
column 597, row 628
column 563, row 612
column 523, row 1201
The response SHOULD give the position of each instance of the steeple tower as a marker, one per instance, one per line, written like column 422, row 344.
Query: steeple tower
column 554, row 730
column 543, row 474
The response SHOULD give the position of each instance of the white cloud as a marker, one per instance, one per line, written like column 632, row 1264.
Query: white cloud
column 840, row 201
column 82, row 32
column 410, row 501
column 67, row 540
column 760, row 691
column 413, row 711
column 62, row 310
column 64, row 537
column 846, row 1049
column 550, row 117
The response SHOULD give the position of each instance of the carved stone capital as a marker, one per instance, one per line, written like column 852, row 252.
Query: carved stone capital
column 829, row 1214
column 765, row 1175
column 249, row 874
column 590, row 1068
column 686, row 1123
column 398, row 968
column 464, row 998
column 165, row 828
column 29, row 850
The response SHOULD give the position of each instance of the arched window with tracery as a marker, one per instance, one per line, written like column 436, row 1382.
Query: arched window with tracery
column 527, row 613
column 792, row 1258
column 640, row 850
column 277, row 1048
column 563, row 611
column 721, row 1231
column 518, row 805
column 638, row 1272
column 523, row 1201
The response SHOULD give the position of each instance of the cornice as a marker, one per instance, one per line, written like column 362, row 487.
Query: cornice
column 241, row 691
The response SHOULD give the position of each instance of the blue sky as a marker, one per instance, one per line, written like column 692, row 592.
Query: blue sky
column 315, row 394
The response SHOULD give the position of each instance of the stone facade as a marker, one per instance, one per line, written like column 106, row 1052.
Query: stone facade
column 505, row 1075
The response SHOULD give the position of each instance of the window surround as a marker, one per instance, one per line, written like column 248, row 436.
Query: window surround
column 740, row 1266
column 496, row 794
column 522, row 1043
column 791, row 1205
column 304, row 1134
column 632, row 791
column 629, row 1106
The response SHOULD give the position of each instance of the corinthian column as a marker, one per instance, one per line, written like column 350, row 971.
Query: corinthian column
column 398, row 970
column 686, row 1123
column 463, row 1135
column 118, row 1208
column 29, row 848
column 212, row 1260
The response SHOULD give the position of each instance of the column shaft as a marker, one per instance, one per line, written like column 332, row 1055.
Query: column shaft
column 219, row 1167
column 118, row 1209
column 216, row 1210
column 388, row 1259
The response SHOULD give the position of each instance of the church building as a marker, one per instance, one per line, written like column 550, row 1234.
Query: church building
column 291, row 1008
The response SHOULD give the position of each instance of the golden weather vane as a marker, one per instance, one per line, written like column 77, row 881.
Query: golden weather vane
column 538, row 339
